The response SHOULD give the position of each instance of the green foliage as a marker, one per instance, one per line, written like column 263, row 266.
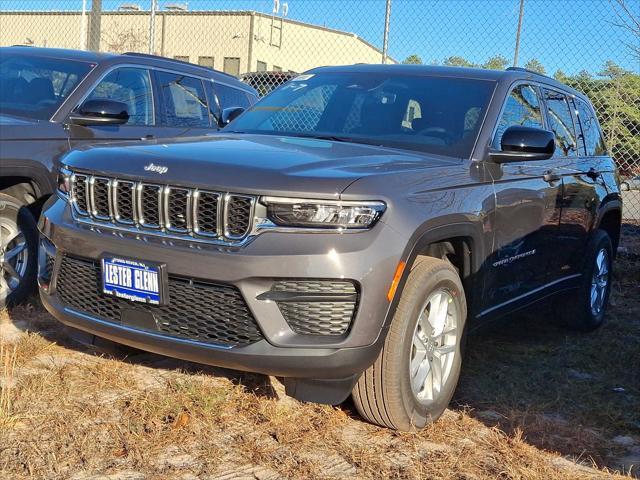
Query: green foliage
column 535, row 66
column 615, row 94
column 413, row 60
column 456, row 61
column 497, row 62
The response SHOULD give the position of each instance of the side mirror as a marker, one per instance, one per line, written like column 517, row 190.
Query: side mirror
column 229, row 115
column 520, row 144
column 100, row 112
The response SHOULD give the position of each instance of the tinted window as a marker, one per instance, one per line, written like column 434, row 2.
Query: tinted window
column 561, row 122
column 590, row 131
column 36, row 87
column 522, row 108
column 184, row 101
column 132, row 87
column 231, row 97
column 431, row 114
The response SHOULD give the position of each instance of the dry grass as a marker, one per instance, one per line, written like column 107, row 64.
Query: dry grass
column 67, row 411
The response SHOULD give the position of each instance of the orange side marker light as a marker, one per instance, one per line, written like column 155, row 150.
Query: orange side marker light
column 396, row 280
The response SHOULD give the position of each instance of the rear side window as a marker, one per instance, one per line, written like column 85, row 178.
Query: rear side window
column 184, row 103
column 132, row 87
column 561, row 122
column 589, row 130
column 522, row 108
column 231, row 97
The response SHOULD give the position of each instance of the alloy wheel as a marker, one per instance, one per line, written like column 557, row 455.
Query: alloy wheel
column 599, row 282
column 434, row 346
column 14, row 257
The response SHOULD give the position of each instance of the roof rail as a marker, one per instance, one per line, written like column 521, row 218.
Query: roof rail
column 522, row 69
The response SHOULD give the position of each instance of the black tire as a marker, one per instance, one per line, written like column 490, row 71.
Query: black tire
column 384, row 394
column 577, row 313
column 16, row 217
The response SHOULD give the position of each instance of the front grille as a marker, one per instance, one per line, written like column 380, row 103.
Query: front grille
column 238, row 215
column 124, row 204
column 99, row 188
column 328, row 307
column 150, row 200
column 205, row 312
column 79, row 192
column 188, row 212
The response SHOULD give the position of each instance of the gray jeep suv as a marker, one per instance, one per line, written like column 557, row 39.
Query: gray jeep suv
column 344, row 233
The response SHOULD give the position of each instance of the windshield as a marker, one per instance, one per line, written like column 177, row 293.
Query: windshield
column 34, row 87
column 429, row 114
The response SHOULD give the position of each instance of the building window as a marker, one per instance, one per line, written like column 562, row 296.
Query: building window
column 262, row 66
column 205, row 61
column 182, row 58
column 232, row 66
column 277, row 68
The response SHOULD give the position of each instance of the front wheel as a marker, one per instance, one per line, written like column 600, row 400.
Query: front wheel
column 414, row 377
column 18, row 251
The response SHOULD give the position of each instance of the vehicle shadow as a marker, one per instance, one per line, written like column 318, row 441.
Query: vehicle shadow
column 33, row 318
column 567, row 392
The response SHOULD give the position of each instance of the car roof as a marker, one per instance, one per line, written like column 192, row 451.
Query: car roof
column 509, row 75
column 61, row 53
column 140, row 58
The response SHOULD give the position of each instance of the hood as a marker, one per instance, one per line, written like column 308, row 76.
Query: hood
column 258, row 164
column 21, row 128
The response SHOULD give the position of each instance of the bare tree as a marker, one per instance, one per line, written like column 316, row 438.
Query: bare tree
column 630, row 21
column 122, row 39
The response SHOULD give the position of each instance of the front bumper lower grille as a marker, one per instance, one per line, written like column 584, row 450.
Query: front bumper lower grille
column 163, row 209
column 316, row 307
column 204, row 312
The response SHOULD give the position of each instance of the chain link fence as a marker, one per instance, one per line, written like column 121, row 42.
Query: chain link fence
column 592, row 45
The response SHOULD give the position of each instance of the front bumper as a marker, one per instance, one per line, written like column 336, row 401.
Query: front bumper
column 369, row 259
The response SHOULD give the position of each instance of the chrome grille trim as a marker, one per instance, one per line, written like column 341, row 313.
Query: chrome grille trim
column 196, row 213
column 141, row 202
column 177, row 219
column 81, row 200
column 116, row 187
column 227, row 227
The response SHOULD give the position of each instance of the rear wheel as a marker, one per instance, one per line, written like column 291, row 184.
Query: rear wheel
column 18, row 251
column 586, row 312
column 412, row 381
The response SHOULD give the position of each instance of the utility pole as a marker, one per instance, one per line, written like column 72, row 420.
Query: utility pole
column 385, row 42
column 152, row 26
column 83, row 26
column 517, row 50
column 93, row 43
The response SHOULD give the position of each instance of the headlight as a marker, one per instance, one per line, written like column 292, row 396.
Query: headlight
column 64, row 182
column 332, row 214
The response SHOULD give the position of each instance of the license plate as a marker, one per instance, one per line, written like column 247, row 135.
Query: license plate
column 132, row 280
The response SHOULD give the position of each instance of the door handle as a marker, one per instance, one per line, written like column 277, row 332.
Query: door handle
column 148, row 137
column 550, row 176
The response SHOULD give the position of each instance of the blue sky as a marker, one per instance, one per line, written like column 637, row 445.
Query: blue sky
column 568, row 34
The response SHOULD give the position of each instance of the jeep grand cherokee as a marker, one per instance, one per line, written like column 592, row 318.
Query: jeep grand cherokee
column 344, row 232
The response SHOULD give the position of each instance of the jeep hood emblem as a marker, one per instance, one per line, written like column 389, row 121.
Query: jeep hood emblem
column 156, row 168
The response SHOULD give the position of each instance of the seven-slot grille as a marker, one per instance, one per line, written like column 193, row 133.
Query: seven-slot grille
column 163, row 208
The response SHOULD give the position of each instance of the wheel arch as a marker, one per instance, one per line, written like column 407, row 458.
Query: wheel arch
column 609, row 219
column 460, row 243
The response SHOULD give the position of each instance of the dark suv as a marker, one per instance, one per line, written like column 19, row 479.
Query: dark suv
column 344, row 232
column 54, row 100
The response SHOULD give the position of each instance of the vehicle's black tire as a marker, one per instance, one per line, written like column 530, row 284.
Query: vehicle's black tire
column 577, row 313
column 384, row 394
column 18, row 232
